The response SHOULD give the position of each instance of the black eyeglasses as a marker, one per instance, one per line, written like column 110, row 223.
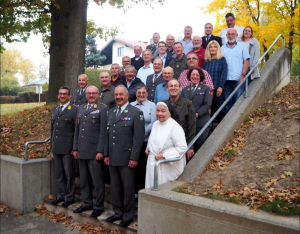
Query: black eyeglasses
column 91, row 93
column 63, row 94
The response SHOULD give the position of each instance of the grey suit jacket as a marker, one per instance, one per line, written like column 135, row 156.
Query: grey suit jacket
column 62, row 129
column 90, row 130
column 78, row 99
column 152, row 86
column 201, row 101
column 125, row 136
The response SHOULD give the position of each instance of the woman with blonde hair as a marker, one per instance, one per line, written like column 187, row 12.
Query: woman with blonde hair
column 215, row 64
column 254, row 51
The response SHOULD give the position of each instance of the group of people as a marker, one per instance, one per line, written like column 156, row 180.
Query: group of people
column 147, row 110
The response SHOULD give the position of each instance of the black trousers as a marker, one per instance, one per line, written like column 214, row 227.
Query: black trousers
column 216, row 103
column 122, row 190
column 141, row 170
column 201, row 139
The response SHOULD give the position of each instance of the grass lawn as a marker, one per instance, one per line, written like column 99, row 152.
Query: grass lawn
column 17, row 107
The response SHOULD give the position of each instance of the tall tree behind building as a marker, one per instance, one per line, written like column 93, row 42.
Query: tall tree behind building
column 93, row 57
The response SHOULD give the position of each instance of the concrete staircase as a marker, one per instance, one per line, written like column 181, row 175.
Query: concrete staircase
column 85, row 216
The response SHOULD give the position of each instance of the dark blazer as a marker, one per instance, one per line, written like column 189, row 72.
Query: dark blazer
column 137, row 63
column 201, row 101
column 152, row 86
column 132, row 88
column 78, row 99
column 90, row 130
column 216, row 38
column 167, row 61
column 62, row 129
column 151, row 47
column 125, row 136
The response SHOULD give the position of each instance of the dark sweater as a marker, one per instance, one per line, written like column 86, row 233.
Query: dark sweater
column 137, row 63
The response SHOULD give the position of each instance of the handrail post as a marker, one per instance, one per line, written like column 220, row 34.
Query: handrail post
column 33, row 142
column 283, row 41
column 246, row 87
column 26, row 152
column 155, row 185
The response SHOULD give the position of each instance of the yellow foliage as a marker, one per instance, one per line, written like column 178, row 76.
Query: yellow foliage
column 268, row 18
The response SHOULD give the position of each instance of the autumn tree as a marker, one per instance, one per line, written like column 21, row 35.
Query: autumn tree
column 63, row 24
column 268, row 18
column 13, row 65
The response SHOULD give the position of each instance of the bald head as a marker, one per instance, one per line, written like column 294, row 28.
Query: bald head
column 167, row 74
column 92, row 94
column 83, row 81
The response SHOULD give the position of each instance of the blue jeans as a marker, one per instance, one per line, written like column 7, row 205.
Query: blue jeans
column 230, row 85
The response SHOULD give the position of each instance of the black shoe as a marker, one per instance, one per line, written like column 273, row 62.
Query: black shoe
column 96, row 213
column 67, row 203
column 113, row 218
column 56, row 201
column 82, row 208
column 125, row 223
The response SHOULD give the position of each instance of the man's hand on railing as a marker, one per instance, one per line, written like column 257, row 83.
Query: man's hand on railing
column 190, row 153
column 76, row 154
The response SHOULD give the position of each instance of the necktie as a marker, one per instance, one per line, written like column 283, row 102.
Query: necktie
column 206, row 40
column 60, row 109
column 118, row 112
column 80, row 91
column 193, row 88
column 155, row 77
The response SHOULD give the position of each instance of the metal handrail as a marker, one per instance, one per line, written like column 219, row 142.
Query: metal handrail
column 155, row 186
column 33, row 142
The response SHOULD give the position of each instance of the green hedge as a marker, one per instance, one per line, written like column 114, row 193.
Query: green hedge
column 93, row 75
column 9, row 99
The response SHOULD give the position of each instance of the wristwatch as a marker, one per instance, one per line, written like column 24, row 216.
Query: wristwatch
column 243, row 74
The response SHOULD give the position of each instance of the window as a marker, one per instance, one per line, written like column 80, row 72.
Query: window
column 121, row 51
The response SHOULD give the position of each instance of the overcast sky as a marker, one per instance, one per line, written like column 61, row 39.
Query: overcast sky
column 138, row 23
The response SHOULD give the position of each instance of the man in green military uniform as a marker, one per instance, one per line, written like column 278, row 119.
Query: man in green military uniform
column 107, row 90
column 125, row 137
column 63, row 119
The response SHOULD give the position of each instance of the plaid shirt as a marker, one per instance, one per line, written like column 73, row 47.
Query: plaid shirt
column 217, row 68
column 185, row 82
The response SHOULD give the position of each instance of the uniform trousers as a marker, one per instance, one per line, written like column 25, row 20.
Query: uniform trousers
column 201, row 139
column 65, row 176
column 141, row 170
column 92, row 170
column 122, row 190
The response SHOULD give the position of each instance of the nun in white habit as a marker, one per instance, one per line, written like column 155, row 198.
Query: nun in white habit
column 167, row 140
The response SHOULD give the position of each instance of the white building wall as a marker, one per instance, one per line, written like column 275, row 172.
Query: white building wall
column 128, row 51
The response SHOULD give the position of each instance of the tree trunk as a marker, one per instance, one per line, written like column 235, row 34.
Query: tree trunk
column 67, row 48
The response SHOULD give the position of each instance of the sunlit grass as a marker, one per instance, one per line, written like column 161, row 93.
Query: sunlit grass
column 17, row 107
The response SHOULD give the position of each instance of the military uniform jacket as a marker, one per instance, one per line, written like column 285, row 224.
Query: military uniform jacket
column 79, row 99
column 107, row 96
column 187, row 115
column 90, row 130
column 201, row 101
column 125, row 135
column 62, row 129
column 152, row 86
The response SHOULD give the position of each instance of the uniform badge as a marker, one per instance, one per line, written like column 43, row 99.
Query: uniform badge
column 56, row 107
column 177, row 65
column 126, row 110
column 69, row 107
column 199, row 88
column 126, row 119
column 188, row 89
column 141, row 117
column 114, row 110
column 84, row 106
column 95, row 105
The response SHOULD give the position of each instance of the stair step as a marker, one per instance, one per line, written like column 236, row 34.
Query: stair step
column 85, row 217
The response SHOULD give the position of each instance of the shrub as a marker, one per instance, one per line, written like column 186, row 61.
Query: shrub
column 9, row 99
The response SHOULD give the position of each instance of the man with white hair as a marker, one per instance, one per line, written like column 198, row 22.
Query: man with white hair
column 116, row 76
column 237, row 58
column 208, row 28
column 153, row 47
column 199, row 50
column 137, row 60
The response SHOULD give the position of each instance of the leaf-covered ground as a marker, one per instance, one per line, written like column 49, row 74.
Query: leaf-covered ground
column 261, row 164
column 22, row 126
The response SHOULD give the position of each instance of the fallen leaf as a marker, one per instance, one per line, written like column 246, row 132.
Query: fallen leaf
column 288, row 173
column 258, row 167
column 17, row 214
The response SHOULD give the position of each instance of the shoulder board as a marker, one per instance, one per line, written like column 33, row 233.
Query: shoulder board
column 206, row 85
column 74, row 105
column 103, row 104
